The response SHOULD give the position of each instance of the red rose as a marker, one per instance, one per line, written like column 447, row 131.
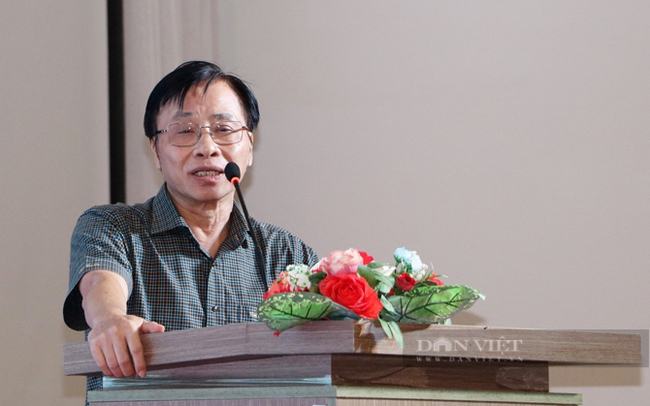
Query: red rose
column 353, row 292
column 405, row 282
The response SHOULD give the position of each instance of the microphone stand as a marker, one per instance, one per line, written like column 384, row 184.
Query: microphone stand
column 232, row 173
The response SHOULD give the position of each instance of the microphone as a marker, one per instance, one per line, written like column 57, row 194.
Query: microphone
column 233, row 174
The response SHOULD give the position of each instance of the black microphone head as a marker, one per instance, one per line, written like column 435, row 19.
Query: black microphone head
column 232, row 171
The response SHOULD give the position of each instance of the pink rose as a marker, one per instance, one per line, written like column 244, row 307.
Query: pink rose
column 342, row 262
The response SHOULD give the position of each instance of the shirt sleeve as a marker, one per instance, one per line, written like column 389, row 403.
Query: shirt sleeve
column 98, row 243
column 283, row 248
column 311, row 255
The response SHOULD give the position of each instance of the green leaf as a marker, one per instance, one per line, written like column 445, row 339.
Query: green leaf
column 397, row 333
column 386, row 328
column 392, row 331
column 317, row 277
column 384, row 288
column 367, row 274
column 384, row 279
column 387, row 305
column 285, row 310
column 432, row 304
column 340, row 312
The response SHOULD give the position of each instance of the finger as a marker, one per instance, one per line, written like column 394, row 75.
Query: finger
column 100, row 360
column 124, row 364
column 151, row 327
column 137, row 355
column 111, row 362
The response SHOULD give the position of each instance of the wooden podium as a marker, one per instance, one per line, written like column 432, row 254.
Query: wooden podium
column 343, row 363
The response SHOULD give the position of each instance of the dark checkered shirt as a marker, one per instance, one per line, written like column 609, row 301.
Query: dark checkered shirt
column 172, row 280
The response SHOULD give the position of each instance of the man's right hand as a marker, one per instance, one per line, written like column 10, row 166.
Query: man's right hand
column 114, row 336
column 116, row 346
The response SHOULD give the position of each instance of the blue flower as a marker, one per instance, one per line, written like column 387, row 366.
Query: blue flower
column 403, row 255
column 411, row 262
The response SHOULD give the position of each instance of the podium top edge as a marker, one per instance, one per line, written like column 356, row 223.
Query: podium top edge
column 250, row 340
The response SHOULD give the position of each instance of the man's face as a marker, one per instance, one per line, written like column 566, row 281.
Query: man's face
column 194, row 175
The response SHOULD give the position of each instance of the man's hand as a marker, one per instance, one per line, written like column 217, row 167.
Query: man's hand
column 116, row 346
column 114, row 336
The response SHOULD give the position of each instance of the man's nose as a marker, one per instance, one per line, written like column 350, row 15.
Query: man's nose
column 206, row 145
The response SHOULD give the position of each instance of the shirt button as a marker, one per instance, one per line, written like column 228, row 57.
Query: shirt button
column 214, row 308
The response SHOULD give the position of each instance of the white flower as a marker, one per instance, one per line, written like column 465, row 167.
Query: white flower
column 385, row 270
column 298, row 276
column 420, row 272
column 416, row 263
column 302, row 281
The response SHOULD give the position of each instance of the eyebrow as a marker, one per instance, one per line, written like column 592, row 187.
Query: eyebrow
column 182, row 114
column 224, row 116
column 216, row 116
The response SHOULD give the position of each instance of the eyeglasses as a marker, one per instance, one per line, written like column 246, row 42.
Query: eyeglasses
column 189, row 134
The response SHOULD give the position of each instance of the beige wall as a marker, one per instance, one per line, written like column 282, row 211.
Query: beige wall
column 507, row 142
column 54, row 164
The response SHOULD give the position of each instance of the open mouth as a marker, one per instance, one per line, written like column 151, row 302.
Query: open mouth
column 207, row 173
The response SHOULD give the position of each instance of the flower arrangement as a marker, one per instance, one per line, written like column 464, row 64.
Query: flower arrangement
column 351, row 285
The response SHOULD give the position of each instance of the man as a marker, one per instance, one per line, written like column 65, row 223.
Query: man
column 184, row 259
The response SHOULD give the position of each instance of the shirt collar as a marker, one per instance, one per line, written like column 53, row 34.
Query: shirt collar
column 238, row 227
column 165, row 215
column 166, row 218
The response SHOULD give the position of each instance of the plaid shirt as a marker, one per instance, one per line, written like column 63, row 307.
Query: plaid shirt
column 172, row 280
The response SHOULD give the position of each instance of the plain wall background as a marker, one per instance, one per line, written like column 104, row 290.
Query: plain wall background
column 505, row 141
column 54, row 165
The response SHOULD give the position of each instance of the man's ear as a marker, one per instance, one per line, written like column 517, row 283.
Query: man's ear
column 156, row 157
column 249, row 161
